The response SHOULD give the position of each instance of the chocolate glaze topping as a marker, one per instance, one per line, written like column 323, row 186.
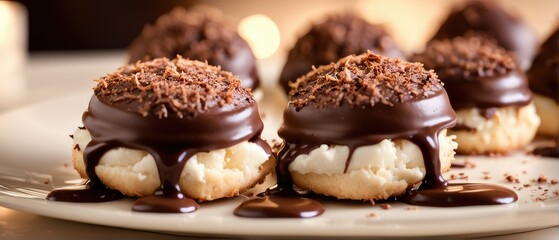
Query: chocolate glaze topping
column 476, row 73
column 362, row 100
column 201, row 34
column 173, row 110
column 490, row 18
column 338, row 36
column 543, row 76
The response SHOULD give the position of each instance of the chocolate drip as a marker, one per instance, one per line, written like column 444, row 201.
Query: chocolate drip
column 457, row 195
column 463, row 127
column 550, row 151
column 485, row 93
column 171, row 141
column 88, row 192
column 488, row 113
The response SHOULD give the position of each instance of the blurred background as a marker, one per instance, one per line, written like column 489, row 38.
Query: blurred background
column 107, row 24
column 35, row 33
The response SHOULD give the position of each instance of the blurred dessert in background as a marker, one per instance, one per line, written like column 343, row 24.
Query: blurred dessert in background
column 489, row 17
column 543, row 77
column 337, row 36
column 200, row 33
column 488, row 91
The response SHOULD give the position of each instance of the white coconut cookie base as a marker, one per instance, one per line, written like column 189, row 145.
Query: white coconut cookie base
column 206, row 176
column 374, row 172
column 509, row 129
column 548, row 110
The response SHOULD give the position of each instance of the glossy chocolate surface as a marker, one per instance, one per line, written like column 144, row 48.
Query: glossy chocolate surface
column 84, row 193
column 458, row 195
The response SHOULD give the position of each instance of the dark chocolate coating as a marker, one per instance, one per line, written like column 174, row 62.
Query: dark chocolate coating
column 417, row 121
column 171, row 141
column 338, row 36
column 197, row 35
column 510, row 89
column 543, row 76
column 490, row 18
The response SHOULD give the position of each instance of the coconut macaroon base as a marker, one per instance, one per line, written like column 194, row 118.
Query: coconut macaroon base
column 548, row 110
column 206, row 176
column 375, row 172
column 509, row 129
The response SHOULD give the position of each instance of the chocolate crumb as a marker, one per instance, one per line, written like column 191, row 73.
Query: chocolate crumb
column 457, row 165
column 81, row 127
column 469, row 163
column 553, row 181
column 77, row 147
column 540, row 199
column 527, row 185
column 541, row 179
column 511, row 178
column 71, row 136
column 385, row 206
column 364, row 80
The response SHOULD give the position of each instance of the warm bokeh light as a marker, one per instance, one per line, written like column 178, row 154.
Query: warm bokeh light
column 261, row 33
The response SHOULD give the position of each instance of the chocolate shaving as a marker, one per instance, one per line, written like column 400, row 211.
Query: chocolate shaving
column 164, row 87
column 364, row 80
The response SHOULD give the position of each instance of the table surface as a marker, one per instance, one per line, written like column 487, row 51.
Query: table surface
column 46, row 77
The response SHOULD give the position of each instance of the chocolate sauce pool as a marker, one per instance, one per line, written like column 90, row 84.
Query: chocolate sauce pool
column 171, row 141
column 419, row 121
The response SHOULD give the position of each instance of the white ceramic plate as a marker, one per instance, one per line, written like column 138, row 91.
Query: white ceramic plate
column 35, row 158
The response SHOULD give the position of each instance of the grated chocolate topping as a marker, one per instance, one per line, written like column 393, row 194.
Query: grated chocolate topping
column 364, row 80
column 162, row 87
column 466, row 57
